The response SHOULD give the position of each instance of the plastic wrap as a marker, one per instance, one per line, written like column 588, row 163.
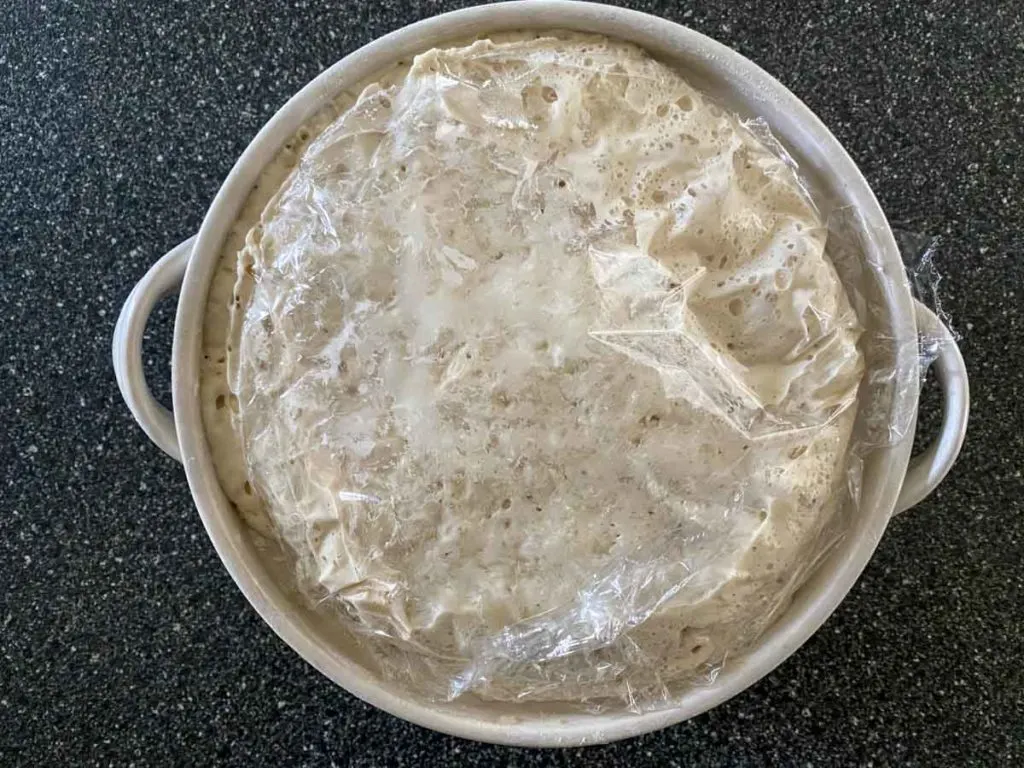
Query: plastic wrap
column 919, row 252
column 545, row 377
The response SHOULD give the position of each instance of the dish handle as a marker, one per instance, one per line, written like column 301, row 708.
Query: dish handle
column 927, row 470
column 162, row 279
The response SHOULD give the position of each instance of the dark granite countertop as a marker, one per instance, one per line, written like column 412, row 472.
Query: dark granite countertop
column 124, row 641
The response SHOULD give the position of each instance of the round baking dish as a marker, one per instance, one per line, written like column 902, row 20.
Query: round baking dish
column 891, row 482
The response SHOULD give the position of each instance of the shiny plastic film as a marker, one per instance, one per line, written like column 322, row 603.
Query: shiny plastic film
column 548, row 370
column 919, row 251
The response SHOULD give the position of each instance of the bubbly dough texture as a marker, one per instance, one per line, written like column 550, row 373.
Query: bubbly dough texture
column 539, row 366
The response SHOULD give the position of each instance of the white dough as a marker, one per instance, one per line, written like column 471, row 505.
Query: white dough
column 537, row 350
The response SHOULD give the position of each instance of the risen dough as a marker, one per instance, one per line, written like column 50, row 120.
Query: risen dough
column 538, row 365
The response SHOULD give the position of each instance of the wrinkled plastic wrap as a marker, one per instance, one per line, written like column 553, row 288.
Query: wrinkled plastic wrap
column 545, row 377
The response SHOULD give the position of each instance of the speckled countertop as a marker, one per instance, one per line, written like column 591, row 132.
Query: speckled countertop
column 123, row 639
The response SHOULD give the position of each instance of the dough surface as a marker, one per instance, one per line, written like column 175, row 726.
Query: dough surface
column 537, row 363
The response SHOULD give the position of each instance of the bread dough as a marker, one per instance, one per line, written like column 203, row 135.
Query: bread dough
column 538, row 365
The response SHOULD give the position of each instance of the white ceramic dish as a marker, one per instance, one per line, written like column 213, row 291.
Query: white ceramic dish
column 888, row 484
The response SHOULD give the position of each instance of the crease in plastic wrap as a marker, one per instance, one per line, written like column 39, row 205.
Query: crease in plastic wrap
column 546, row 379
